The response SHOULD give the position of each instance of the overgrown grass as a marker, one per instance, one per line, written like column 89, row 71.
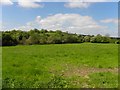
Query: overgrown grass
column 103, row 80
column 56, row 66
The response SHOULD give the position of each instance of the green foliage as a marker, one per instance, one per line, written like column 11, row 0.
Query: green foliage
column 96, row 39
column 43, row 36
column 101, row 39
column 105, row 39
column 117, row 42
column 33, row 39
column 57, row 82
column 87, row 38
column 7, row 40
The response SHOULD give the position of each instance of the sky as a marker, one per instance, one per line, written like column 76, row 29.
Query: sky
column 95, row 17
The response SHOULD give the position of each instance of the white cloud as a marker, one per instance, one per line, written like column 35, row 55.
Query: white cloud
column 28, row 26
column 115, row 21
column 24, row 28
column 29, row 3
column 80, row 0
column 31, row 25
column 1, row 26
column 69, row 3
column 73, row 23
column 82, row 3
column 94, row 0
column 77, row 4
column 6, row 2
column 90, row 0
column 38, row 18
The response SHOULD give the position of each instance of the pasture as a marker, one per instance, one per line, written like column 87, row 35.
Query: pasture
column 85, row 65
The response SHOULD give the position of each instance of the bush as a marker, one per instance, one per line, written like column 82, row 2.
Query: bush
column 117, row 42
column 10, row 38
column 57, row 82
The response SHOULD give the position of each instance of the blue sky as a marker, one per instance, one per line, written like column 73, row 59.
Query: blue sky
column 98, row 16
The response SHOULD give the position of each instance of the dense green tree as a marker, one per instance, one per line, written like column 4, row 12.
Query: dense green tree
column 33, row 39
column 80, row 38
column 43, row 36
column 87, row 38
column 55, row 38
column 93, row 40
column 96, row 39
column 105, row 39
column 7, row 40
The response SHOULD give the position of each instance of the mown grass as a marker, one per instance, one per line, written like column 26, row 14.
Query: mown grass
column 60, row 66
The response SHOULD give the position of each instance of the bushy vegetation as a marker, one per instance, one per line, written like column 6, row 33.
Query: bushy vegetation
column 85, row 65
column 15, row 37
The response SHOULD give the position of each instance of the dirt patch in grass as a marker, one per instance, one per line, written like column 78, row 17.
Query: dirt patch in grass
column 85, row 71
column 82, row 71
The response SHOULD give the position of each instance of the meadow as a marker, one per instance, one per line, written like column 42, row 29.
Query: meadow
column 85, row 65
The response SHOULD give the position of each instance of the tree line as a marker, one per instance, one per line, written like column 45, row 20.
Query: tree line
column 35, row 36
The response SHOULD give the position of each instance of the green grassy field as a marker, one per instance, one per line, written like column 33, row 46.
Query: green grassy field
column 84, row 65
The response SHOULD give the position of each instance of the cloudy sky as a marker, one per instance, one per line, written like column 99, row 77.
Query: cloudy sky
column 80, row 16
